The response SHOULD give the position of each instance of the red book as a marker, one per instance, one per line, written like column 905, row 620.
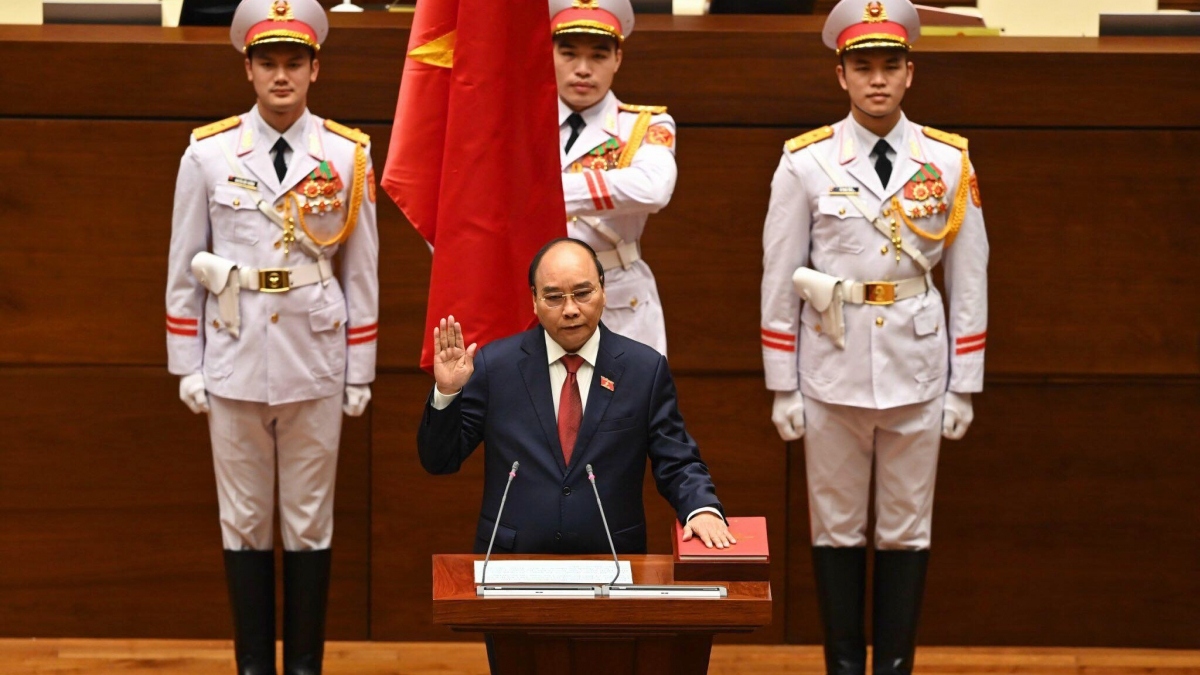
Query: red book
column 751, row 546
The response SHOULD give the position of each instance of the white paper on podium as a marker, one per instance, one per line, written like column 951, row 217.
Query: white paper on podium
column 552, row 572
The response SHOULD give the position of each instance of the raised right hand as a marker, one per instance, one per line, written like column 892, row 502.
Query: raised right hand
column 788, row 415
column 452, row 363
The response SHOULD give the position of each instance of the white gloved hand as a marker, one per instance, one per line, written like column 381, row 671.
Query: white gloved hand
column 788, row 414
column 357, row 397
column 957, row 415
column 191, row 392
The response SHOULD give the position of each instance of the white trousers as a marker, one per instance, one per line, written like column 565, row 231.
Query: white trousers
column 840, row 445
column 249, row 441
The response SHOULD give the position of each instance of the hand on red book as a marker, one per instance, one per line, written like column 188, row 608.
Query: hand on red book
column 711, row 529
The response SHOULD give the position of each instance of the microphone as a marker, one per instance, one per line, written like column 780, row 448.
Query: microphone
column 511, row 475
column 607, row 532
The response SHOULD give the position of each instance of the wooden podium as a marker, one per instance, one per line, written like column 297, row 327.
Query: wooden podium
column 605, row 636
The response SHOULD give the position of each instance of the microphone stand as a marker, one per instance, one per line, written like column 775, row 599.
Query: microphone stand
column 612, row 590
column 511, row 475
column 603, row 519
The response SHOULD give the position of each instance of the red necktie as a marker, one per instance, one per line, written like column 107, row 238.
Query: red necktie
column 570, row 407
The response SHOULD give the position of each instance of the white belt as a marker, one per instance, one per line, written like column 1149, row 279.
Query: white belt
column 883, row 292
column 283, row 279
column 624, row 255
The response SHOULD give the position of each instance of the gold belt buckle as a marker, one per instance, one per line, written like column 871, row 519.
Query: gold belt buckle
column 879, row 292
column 274, row 281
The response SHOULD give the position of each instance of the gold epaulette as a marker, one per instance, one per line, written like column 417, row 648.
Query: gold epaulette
column 808, row 138
column 346, row 132
column 946, row 137
column 652, row 109
column 216, row 127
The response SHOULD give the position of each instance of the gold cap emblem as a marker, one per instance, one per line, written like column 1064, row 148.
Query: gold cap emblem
column 281, row 10
column 874, row 13
column 586, row 4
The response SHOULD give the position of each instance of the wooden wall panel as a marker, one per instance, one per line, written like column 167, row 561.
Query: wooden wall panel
column 88, row 241
column 415, row 515
column 764, row 71
column 1066, row 516
column 1075, row 287
column 705, row 249
column 109, row 525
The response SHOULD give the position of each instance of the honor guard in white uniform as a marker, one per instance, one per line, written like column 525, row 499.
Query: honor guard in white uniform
column 865, row 362
column 618, row 160
column 272, row 303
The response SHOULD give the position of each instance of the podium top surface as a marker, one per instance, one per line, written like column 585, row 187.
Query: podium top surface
column 456, row 604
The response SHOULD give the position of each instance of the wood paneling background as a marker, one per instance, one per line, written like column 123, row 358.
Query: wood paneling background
column 1067, row 516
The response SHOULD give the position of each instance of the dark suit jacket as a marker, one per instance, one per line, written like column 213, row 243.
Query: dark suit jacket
column 507, row 404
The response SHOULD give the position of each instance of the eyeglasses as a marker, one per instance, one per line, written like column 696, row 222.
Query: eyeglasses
column 582, row 297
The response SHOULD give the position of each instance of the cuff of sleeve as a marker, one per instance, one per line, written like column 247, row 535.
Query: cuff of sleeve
column 442, row 401
column 704, row 509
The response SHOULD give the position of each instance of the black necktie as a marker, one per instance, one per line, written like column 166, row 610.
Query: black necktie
column 281, row 146
column 577, row 125
column 883, row 165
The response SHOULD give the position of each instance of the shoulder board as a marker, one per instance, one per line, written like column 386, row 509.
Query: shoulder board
column 947, row 138
column 652, row 109
column 806, row 139
column 346, row 132
column 216, row 127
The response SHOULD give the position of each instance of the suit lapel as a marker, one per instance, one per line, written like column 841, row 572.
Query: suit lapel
column 599, row 397
column 258, row 161
column 536, row 374
column 597, row 131
column 902, row 168
column 305, row 160
column 862, row 170
column 916, row 153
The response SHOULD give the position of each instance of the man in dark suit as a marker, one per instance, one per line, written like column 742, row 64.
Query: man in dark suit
column 556, row 398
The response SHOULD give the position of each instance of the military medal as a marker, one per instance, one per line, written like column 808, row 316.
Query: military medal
column 320, row 190
column 926, row 184
column 602, row 157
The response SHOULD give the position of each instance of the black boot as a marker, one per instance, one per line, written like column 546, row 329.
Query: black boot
column 250, row 576
column 841, row 577
column 305, row 597
column 899, row 585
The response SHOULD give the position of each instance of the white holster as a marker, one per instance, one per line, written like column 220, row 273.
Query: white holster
column 825, row 294
column 220, row 277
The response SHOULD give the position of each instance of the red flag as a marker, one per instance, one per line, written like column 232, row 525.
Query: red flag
column 473, row 160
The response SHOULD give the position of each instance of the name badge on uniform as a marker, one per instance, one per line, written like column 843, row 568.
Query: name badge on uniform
column 844, row 190
column 247, row 183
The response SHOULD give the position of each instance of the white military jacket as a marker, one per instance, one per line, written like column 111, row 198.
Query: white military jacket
column 621, row 198
column 894, row 354
column 302, row 344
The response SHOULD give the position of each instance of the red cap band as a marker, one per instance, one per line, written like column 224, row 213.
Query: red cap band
column 883, row 30
column 281, row 31
column 582, row 17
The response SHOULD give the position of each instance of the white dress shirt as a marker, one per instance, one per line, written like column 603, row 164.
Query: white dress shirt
column 294, row 135
column 867, row 140
column 558, row 371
